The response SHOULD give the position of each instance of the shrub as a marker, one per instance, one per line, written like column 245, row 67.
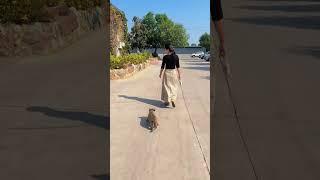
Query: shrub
column 115, row 62
column 24, row 11
column 122, row 61
column 27, row 11
column 20, row 11
column 83, row 4
column 52, row 3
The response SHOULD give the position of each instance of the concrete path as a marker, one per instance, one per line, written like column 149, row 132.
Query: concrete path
column 53, row 114
column 273, row 48
column 179, row 149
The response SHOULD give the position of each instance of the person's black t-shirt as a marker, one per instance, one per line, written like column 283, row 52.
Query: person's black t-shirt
column 170, row 62
column 216, row 10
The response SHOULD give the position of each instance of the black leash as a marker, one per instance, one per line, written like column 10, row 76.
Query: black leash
column 194, row 129
column 227, row 74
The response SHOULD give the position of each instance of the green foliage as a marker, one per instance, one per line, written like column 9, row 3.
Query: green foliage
column 20, row 11
column 170, row 32
column 138, row 36
column 122, row 61
column 151, row 30
column 164, row 28
column 204, row 41
column 118, row 29
column 118, row 13
column 52, row 3
column 83, row 4
column 155, row 30
column 179, row 36
column 27, row 11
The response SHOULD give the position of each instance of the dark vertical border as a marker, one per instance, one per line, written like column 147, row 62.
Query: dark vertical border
column 212, row 92
column 215, row 72
column 107, row 67
column 212, row 103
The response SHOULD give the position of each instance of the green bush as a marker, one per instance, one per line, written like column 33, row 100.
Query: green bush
column 20, row 11
column 27, row 11
column 123, row 61
column 83, row 4
column 52, row 3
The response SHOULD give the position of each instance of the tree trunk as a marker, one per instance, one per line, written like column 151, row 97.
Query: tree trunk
column 155, row 54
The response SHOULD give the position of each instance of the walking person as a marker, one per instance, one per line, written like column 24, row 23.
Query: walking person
column 170, row 69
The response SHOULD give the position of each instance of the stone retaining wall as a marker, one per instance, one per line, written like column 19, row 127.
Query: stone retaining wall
column 132, row 69
column 65, row 27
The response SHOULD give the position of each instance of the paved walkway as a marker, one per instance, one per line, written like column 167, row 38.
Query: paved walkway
column 273, row 49
column 179, row 149
column 52, row 114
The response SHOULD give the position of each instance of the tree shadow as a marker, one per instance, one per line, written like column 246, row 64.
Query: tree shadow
column 204, row 63
column 144, row 123
column 305, row 22
column 101, row 177
column 285, row 8
column 91, row 119
column 192, row 60
column 152, row 102
column 202, row 68
column 309, row 51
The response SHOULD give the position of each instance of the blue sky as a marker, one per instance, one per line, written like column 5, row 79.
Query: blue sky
column 194, row 15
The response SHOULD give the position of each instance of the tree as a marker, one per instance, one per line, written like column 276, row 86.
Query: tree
column 204, row 41
column 150, row 24
column 170, row 32
column 137, row 37
column 180, row 36
column 151, row 31
column 154, row 30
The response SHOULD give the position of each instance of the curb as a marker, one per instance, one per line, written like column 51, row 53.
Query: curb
column 130, row 70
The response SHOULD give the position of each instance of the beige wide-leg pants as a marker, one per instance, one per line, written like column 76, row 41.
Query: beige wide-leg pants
column 169, row 85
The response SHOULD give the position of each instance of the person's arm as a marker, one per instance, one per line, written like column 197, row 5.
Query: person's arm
column 217, row 17
column 162, row 67
column 160, row 75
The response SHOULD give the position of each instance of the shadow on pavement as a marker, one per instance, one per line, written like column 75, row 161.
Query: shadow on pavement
column 102, row 177
column 193, row 60
column 152, row 102
column 305, row 22
column 285, row 8
column 91, row 119
column 203, row 68
column 309, row 51
column 144, row 123
column 204, row 63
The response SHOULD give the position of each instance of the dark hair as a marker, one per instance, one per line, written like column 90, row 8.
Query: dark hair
column 169, row 47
